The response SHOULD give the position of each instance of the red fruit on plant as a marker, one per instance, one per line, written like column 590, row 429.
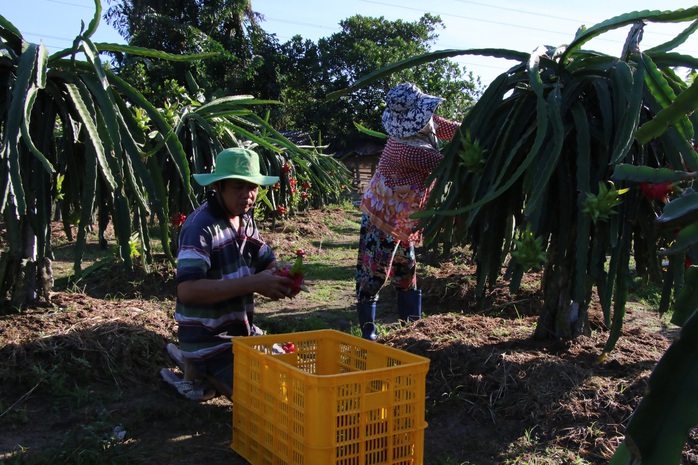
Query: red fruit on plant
column 286, row 168
column 281, row 210
column 658, row 191
column 178, row 220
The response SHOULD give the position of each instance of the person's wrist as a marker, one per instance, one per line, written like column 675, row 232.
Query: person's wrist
column 254, row 283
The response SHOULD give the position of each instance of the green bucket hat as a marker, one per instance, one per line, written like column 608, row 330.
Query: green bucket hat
column 236, row 163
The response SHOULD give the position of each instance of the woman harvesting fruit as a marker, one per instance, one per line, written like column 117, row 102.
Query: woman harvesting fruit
column 398, row 190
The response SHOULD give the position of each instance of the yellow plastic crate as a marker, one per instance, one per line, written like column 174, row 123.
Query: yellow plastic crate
column 337, row 399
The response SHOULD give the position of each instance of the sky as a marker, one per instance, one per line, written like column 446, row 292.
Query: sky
column 509, row 24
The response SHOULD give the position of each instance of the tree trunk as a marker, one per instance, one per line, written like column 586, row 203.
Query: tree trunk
column 24, row 280
column 561, row 317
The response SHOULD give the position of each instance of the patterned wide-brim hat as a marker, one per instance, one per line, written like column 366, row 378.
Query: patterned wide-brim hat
column 408, row 110
column 236, row 163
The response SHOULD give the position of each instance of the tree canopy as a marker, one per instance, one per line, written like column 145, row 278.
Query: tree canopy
column 299, row 72
column 365, row 44
column 227, row 27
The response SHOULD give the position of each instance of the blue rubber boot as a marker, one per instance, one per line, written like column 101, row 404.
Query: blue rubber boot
column 409, row 305
column 367, row 316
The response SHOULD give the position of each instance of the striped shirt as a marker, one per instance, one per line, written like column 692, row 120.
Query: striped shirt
column 210, row 248
column 398, row 190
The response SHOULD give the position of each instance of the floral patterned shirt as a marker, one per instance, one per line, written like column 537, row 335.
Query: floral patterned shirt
column 398, row 190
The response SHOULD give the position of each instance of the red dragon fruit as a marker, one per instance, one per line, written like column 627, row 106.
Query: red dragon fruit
column 659, row 191
column 295, row 272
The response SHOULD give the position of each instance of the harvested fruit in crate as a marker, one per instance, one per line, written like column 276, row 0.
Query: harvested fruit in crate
column 284, row 348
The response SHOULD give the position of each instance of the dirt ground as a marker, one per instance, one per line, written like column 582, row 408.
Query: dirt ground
column 79, row 377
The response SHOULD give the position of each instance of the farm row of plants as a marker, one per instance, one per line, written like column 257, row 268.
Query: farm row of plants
column 82, row 145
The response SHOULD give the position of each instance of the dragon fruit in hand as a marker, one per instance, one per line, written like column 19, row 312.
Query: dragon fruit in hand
column 295, row 272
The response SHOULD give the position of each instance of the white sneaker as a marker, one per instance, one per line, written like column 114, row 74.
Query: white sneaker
column 193, row 390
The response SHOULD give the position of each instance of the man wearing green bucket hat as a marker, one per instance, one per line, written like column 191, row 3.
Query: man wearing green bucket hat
column 222, row 262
